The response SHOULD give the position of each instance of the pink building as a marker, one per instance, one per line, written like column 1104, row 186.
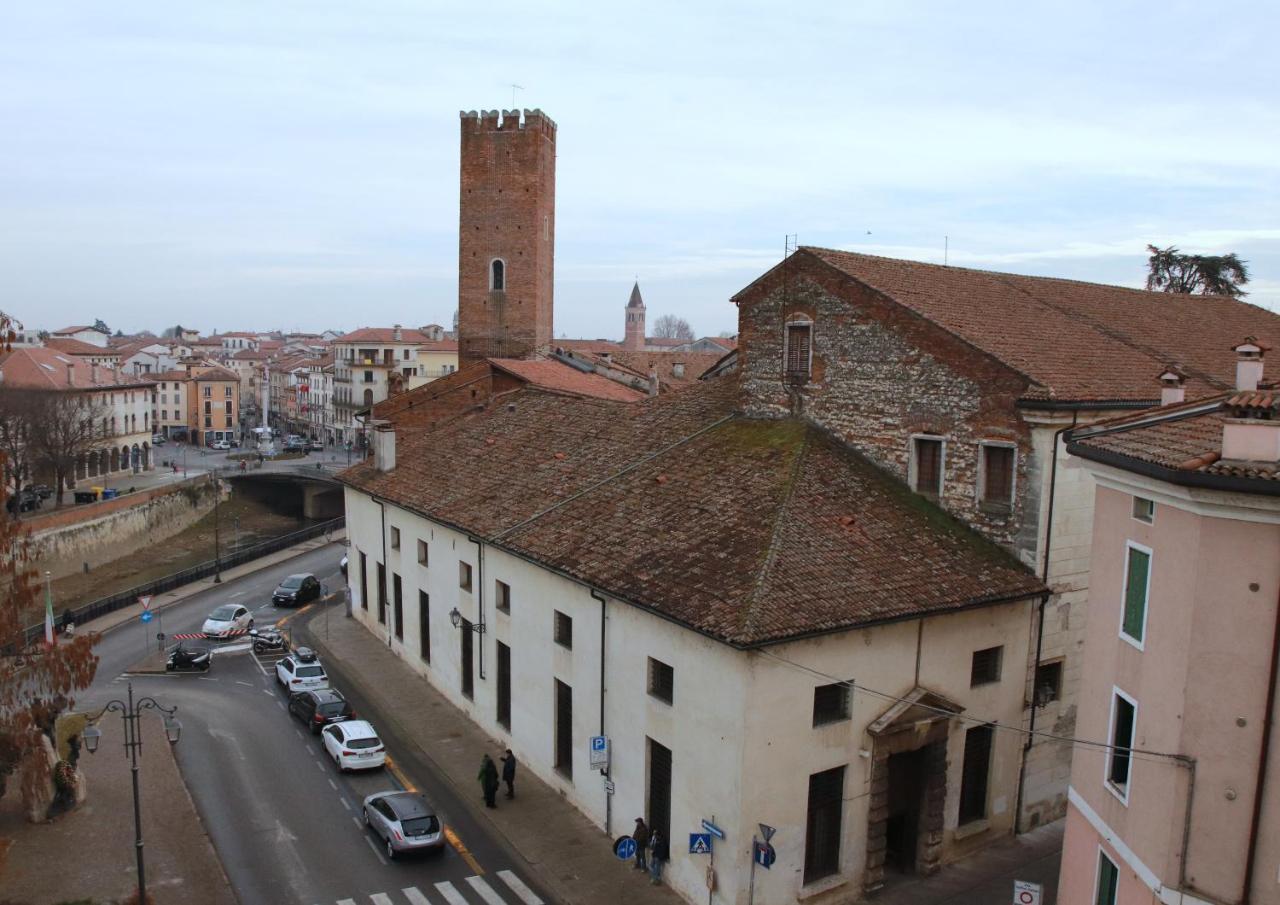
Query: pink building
column 1181, row 802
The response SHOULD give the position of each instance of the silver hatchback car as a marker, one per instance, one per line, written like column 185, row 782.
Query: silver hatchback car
column 404, row 821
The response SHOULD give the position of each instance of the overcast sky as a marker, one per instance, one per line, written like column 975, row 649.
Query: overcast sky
column 251, row 165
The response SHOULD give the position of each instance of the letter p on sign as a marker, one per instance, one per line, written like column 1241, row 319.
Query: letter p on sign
column 1025, row 893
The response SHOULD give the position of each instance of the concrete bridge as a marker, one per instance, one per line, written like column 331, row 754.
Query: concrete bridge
column 319, row 492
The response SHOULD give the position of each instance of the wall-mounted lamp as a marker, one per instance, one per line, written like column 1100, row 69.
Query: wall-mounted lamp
column 456, row 618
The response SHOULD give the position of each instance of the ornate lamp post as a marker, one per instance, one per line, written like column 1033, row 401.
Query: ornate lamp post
column 131, row 711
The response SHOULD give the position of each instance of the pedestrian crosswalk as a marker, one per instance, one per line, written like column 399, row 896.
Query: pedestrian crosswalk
column 480, row 891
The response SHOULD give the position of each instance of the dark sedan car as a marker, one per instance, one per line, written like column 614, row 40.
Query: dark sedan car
column 320, row 707
column 296, row 590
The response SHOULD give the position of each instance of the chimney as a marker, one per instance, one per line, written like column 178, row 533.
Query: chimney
column 1251, row 431
column 71, row 375
column 1249, row 363
column 1171, row 389
column 384, row 445
column 398, row 334
column 653, row 381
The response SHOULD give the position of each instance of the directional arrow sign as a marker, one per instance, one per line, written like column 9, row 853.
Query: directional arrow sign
column 767, row 831
column 713, row 829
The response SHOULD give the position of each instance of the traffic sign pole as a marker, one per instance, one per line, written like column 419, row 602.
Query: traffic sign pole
column 751, row 884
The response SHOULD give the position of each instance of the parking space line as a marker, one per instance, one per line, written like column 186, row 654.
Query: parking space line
column 299, row 731
column 453, row 839
column 334, row 785
column 356, row 821
column 318, row 764
column 378, row 853
column 343, row 802
column 280, row 704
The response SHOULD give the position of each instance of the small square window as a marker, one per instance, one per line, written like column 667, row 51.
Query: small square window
column 464, row 576
column 1144, row 510
column 1048, row 683
column 395, row 538
column 422, row 553
column 502, row 596
column 563, row 630
column 831, row 703
column 662, row 681
column 985, row 668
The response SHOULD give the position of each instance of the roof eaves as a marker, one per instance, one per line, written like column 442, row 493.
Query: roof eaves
column 1177, row 476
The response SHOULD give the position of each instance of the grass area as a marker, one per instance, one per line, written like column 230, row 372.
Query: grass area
column 155, row 559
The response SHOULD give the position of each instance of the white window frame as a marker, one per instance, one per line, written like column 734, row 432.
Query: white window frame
column 1122, row 795
column 911, row 461
column 1146, row 599
column 799, row 320
column 980, row 485
column 505, row 275
column 1134, row 505
column 1097, row 874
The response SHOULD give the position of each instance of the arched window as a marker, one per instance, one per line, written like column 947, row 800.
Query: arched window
column 368, row 398
column 497, row 275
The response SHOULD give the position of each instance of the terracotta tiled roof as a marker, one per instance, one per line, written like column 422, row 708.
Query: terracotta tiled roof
column 554, row 375
column 748, row 531
column 588, row 345
column 68, row 330
column 639, row 363
column 439, row 345
column 384, row 335
column 46, row 369
column 1073, row 340
column 69, row 346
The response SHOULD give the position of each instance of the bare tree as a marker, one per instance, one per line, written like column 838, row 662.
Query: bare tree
column 17, row 414
column 671, row 327
column 66, row 425
column 1171, row 271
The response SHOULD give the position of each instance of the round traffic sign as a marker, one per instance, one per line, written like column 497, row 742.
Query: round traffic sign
column 625, row 848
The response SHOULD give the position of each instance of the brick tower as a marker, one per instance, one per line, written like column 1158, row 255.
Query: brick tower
column 506, row 234
column 633, row 341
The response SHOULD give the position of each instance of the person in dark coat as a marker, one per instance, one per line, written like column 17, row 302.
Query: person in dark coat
column 489, row 781
column 641, row 837
column 658, row 852
column 509, row 773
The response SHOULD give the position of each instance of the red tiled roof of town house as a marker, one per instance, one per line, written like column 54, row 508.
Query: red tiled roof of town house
column 439, row 345
column 796, row 534
column 1074, row 341
column 589, row 345
column 250, row 355
column 47, row 369
column 1181, row 439
column 69, row 346
column 554, row 375
column 638, row 364
column 384, row 335
column 66, row 330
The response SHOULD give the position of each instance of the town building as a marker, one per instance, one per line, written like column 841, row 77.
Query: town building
column 199, row 403
column 238, row 341
column 103, row 356
column 94, row 336
column 1177, row 797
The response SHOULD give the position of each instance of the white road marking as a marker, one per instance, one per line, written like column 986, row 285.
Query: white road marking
column 319, row 765
column 346, row 902
column 451, row 895
column 246, row 684
column 380, row 898
column 280, row 704
column 334, row 785
column 206, row 679
column 379, row 854
column 233, row 648
column 299, row 731
column 238, row 594
column 343, row 802
column 414, row 896
column 524, row 893
column 485, row 891
column 267, row 691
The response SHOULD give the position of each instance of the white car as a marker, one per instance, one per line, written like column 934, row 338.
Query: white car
column 227, row 620
column 301, row 671
column 220, row 444
column 354, row 745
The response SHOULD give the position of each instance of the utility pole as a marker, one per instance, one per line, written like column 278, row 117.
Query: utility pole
column 217, row 547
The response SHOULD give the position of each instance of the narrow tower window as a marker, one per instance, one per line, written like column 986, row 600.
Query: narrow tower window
column 497, row 275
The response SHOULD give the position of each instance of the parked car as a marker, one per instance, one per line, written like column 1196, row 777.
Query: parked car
column 342, row 564
column 23, row 501
column 301, row 671
column 320, row 707
column 219, row 444
column 157, row 440
column 405, row 821
column 354, row 745
column 317, row 445
column 296, row 590
column 44, row 491
column 227, row 620
column 294, row 446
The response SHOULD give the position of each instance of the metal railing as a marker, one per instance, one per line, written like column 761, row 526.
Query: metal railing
column 104, row 605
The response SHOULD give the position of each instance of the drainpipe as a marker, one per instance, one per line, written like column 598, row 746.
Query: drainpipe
column 383, row 602
column 479, row 542
column 608, row 798
column 1044, row 602
column 1260, row 786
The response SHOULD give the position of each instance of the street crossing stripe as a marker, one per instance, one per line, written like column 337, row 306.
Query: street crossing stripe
column 484, row 891
column 451, row 895
column 414, row 896
column 524, row 893
column 380, row 898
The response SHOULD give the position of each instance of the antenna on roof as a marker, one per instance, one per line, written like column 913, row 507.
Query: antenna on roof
column 946, row 243
column 790, row 242
column 514, row 89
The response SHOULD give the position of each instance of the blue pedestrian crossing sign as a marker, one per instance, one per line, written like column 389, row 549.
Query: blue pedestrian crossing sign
column 624, row 847
column 699, row 843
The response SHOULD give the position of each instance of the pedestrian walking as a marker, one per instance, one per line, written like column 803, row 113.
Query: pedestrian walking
column 658, row 852
column 641, row 838
column 488, row 781
column 509, row 773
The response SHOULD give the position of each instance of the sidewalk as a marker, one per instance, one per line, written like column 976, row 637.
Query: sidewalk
column 567, row 852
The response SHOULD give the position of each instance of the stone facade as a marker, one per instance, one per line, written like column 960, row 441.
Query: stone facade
column 506, row 234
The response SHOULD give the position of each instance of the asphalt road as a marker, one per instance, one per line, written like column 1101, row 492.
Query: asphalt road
column 284, row 821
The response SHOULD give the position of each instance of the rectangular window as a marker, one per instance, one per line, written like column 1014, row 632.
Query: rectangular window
column 831, row 703
column 397, row 606
column 227, row 408
column 997, row 477
column 226, row 391
column 1137, row 579
column 975, row 773
column 228, row 421
column 822, row 824
column 422, row 553
column 424, row 626
column 564, row 730
column 1048, row 682
column 468, row 654
column 208, row 408
column 1124, row 717
column 464, row 576
column 395, row 538
column 164, row 415
column 563, row 630
column 1108, row 880
column 208, row 391
column 504, row 686
column 799, row 338
column 926, row 456
column 662, row 681
column 985, row 667
column 502, row 596
column 208, row 422
column 364, row 583
column 382, row 593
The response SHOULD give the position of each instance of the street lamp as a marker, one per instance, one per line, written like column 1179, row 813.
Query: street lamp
column 456, row 618
column 217, row 546
column 131, row 711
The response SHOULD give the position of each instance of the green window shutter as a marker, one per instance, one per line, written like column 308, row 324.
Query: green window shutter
column 1108, row 880
column 1135, row 593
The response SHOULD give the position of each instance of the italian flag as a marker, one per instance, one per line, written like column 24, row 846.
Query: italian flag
column 48, row 614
